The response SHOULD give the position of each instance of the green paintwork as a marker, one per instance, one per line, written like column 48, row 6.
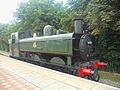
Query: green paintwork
column 56, row 44
column 15, row 49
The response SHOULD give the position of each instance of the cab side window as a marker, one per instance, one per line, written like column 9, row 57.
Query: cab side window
column 13, row 39
column 22, row 35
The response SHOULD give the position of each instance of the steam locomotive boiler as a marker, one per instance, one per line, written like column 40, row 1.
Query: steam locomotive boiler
column 74, row 49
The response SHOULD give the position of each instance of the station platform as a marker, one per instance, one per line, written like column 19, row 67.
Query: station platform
column 18, row 75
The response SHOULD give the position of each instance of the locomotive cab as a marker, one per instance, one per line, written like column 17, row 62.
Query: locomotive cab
column 14, row 44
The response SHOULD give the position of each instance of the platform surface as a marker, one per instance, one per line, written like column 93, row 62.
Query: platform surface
column 18, row 75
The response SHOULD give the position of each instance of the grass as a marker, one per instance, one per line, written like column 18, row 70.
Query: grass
column 110, row 76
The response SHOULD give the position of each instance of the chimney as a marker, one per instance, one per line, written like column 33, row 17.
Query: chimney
column 78, row 25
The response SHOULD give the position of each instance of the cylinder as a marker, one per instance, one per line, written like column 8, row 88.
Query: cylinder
column 78, row 25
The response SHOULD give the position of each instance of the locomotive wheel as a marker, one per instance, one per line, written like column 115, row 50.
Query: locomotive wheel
column 95, row 76
column 92, row 78
column 87, row 77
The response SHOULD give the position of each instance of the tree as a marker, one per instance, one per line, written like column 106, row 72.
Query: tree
column 35, row 14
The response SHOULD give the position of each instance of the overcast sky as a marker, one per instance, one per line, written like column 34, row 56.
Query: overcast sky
column 7, row 7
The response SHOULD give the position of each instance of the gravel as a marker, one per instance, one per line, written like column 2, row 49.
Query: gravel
column 109, row 82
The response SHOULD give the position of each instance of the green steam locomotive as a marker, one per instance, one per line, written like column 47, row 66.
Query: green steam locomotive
column 74, row 49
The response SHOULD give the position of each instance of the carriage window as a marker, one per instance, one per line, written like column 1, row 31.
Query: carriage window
column 13, row 39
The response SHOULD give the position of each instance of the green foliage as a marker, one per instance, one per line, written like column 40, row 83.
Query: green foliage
column 35, row 14
column 67, row 22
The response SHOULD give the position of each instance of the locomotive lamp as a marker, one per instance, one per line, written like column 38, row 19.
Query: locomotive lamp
column 78, row 25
